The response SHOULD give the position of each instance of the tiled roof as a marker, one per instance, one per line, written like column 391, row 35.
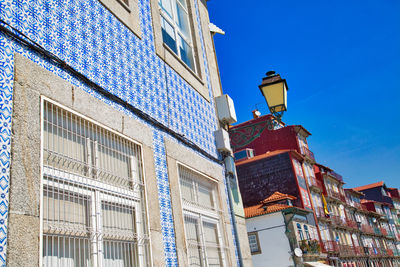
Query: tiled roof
column 262, row 209
column 266, row 155
column 369, row 186
column 276, row 197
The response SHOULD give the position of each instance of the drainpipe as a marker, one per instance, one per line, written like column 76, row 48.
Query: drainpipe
column 233, row 216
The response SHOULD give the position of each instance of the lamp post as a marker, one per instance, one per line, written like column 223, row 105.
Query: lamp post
column 274, row 90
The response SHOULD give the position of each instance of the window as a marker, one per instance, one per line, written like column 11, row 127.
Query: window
column 127, row 11
column 93, row 210
column 254, row 243
column 300, row 231
column 203, row 228
column 176, row 31
column 307, row 232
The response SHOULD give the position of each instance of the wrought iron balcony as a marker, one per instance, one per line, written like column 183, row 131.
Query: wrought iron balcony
column 351, row 224
column 314, row 183
column 367, row 229
column 331, row 246
column 308, row 153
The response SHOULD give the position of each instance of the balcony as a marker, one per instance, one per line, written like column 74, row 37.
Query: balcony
column 374, row 252
column 308, row 153
column 336, row 175
column 359, row 251
column 346, row 250
column 390, row 252
column 336, row 220
column 314, row 183
column 383, row 231
column 320, row 212
column 367, row 229
column 377, row 231
column 310, row 246
column 351, row 224
column 331, row 246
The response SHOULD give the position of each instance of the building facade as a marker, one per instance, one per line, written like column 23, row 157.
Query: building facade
column 356, row 227
column 108, row 153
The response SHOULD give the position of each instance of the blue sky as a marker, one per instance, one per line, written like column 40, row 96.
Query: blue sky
column 341, row 60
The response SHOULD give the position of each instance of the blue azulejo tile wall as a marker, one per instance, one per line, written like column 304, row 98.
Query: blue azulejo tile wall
column 91, row 40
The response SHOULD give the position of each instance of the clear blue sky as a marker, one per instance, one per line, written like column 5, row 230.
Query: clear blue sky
column 341, row 60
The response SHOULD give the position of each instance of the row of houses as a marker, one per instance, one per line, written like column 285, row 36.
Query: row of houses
column 299, row 213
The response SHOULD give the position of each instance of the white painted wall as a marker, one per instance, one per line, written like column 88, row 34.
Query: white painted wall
column 275, row 248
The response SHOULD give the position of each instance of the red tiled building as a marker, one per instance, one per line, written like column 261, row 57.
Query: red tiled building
column 271, row 157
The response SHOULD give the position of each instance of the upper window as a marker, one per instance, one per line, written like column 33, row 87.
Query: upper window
column 93, row 210
column 127, row 11
column 254, row 243
column 176, row 32
column 203, row 228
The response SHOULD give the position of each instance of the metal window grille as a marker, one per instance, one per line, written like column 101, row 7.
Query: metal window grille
column 204, row 231
column 93, row 209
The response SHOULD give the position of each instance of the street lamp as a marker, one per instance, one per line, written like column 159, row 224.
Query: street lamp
column 274, row 89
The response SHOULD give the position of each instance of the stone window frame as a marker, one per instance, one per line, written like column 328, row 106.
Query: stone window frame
column 202, row 214
column 196, row 79
column 258, row 251
column 31, row 82
column 95, row 192
column 176, row 154
column 128, row 14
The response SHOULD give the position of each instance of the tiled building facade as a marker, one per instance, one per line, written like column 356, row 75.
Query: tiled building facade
column 90, row 88
column 356, row 227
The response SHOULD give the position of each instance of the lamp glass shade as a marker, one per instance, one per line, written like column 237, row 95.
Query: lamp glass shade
column 276, row 95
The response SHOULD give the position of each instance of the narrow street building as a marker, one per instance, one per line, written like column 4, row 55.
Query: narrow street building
column 108, row 154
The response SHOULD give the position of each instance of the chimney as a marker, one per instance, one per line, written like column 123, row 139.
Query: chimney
column 256, row 113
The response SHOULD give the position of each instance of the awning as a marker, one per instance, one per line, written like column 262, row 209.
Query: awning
column 316, row 264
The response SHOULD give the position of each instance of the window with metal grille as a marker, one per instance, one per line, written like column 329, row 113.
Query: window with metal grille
column 176, row 31
column 93, row 209
column 204, row 230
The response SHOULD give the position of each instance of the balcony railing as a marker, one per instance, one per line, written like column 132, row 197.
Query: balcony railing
column 320, row 212
column 308, row 153
column 351, row 224
column 346, row 250
column 313, row 182
column 331, row 246
column 377, row 231
column 390, row 252
column 336, row 220
column 336, row 175
column 359, row 251
column 383, row 231
column 367, row 228
column 374, row 251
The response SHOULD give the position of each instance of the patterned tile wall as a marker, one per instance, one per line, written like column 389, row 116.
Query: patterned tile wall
column 91, row 40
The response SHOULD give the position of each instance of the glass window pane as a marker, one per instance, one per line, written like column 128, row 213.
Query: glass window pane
column 183, row 2
column 168, row 35
column 212, row 245
column 166, row 6
column 193, row 240
column 186, row 53
column 118, row 220
column 205, row 196
column 119, row 254
column 253, row 243
column 182, row 20
column 65, row 210
column 66, row 251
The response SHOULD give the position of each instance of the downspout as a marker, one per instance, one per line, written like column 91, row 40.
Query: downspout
column 233, row 216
